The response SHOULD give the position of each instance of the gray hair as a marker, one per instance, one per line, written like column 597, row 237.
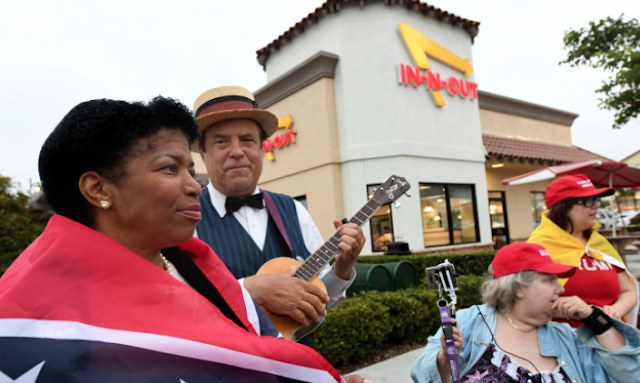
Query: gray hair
column 501, row 292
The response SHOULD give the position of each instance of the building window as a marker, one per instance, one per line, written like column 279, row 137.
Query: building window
column 303, row 200
column 537, row 207
column 498, row 215
column 448, row 214
column 381, row 224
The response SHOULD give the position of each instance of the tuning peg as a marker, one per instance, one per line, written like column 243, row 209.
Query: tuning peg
column 397, row 204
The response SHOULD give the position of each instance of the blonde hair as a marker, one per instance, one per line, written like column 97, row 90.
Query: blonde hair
column 501, row 292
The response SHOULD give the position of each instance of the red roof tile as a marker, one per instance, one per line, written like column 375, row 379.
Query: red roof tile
column 333, row 6
column 523, row 150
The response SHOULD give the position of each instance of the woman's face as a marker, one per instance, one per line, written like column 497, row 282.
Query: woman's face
column 155, row 205
column 538, row 297
column 583, row 217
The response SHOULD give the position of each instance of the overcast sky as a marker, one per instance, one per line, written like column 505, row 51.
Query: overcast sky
column 56, row 54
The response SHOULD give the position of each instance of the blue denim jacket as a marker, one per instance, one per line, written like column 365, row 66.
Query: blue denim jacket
column 578, row 353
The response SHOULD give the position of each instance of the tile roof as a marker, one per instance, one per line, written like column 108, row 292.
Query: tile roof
column 333, row 6
column 535, row 151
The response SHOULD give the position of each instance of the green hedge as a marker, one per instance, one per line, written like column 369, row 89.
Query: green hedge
column 361, row 324
column 368, row 321
column 475, row 263
column 633, row 228
column 365, row 322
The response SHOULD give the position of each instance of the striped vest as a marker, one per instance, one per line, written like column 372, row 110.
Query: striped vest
column 235, row 247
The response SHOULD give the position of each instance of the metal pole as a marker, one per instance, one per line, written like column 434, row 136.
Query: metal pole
column 613, row 200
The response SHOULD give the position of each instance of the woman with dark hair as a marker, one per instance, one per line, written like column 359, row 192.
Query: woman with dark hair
column 510, row 338
column 569, row 231
column 116, row 288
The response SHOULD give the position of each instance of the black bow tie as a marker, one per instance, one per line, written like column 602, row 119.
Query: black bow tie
column 234, row 204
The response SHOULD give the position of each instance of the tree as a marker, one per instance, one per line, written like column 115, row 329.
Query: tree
column 614, row 45
column 17, row 229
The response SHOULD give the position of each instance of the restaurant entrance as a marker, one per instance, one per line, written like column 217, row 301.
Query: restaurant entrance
column 498, row 213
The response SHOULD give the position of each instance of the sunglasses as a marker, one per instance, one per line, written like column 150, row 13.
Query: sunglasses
column 587, row 201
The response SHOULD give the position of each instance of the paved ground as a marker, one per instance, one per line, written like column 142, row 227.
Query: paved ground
column 633, row 263
column 398, row 369
column 394, row 370
column 633, row 260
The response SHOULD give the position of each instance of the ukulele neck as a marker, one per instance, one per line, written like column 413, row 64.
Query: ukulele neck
column 321, row 257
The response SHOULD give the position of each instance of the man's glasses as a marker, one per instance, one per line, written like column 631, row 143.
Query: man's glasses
column 587, row 201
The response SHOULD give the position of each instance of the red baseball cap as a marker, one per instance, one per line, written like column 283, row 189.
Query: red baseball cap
column 574, row 186
column 518, row 257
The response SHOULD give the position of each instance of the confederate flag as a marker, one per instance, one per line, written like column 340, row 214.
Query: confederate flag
column 76, row 306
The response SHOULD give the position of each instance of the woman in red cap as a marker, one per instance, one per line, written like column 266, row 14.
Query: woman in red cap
column 514, row 341
column 569, row 231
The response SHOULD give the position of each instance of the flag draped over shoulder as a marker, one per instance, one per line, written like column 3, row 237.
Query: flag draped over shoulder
column 566, row 249
column 77, row 306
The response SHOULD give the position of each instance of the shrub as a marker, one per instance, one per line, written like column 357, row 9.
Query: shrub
column 17, row 229
column 359, row 325
column 635, row 226
column 475, row 263
column 354, row 329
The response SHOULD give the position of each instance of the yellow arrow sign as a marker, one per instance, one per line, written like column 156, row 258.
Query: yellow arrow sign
column 421, row 46
column 285, row 122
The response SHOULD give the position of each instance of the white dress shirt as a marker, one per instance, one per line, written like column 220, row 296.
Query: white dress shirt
column 255, row 223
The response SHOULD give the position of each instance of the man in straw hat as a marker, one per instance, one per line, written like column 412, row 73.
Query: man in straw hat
column 247, row 226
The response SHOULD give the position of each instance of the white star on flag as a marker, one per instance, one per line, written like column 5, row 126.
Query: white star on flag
column 28, row 377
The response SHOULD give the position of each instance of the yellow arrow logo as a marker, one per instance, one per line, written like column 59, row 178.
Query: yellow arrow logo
column 281, row 140
column 420, row 47
column 285, row 122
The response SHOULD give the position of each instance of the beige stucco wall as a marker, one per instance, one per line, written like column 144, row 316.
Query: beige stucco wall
column 312, row 110
column 517, row 197
column 633, row 159
column 322, row 187
column 309, row 166
column 524, row 128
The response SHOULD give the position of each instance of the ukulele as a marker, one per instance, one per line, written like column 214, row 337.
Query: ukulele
column 388, row 192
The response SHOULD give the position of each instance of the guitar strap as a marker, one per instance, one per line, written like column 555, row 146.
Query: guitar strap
column 273, row 212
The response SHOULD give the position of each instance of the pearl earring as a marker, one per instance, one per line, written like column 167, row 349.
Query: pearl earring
column 105, row 204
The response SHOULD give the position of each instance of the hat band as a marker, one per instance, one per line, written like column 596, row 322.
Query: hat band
column 225, row 103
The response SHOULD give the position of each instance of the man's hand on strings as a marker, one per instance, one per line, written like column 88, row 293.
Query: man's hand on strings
column 351, row 242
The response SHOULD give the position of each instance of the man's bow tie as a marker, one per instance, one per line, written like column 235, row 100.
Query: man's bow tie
column 234, row 204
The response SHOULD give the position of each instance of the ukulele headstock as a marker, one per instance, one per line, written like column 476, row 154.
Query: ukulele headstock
column 390, row 190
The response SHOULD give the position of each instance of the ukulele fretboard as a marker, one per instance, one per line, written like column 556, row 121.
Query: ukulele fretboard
column 317, row 261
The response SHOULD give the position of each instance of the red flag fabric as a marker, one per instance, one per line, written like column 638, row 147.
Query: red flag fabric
column 78, row 306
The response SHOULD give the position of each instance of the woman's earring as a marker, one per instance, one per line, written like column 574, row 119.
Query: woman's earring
column 105, row 204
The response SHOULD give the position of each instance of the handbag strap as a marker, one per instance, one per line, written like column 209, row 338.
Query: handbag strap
column 196, row 278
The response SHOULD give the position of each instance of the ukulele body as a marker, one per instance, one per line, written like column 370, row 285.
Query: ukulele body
column 392, row 188
column 288, row 327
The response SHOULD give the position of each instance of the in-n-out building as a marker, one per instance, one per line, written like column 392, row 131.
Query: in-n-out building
column 365, row 89
column 369, row 89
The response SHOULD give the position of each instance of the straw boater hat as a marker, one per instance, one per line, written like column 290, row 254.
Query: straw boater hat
column 228, row 103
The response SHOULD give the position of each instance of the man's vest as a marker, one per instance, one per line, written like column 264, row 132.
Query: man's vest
column 233, row 245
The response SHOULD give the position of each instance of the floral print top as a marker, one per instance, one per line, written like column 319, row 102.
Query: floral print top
column 496, row 366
